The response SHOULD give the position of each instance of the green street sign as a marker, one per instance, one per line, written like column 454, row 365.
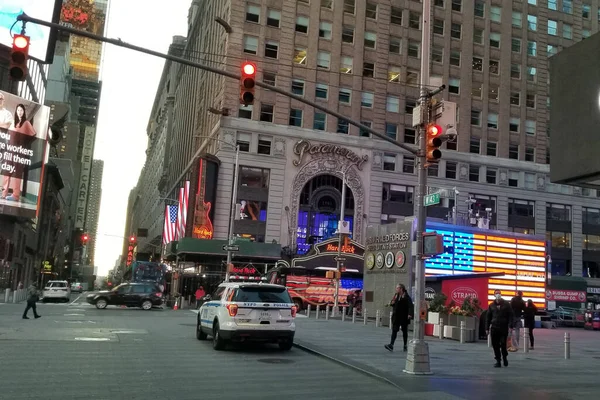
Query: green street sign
column 432, row 199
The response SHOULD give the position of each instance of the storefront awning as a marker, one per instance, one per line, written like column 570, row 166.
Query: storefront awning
column 214, row 247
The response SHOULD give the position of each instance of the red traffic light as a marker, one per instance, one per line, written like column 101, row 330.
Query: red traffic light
column 85, row 237
column 20, row 42
column 249, row 69
column 18, row 58
column 247, row 83
column 434, row 130
column 132, row 239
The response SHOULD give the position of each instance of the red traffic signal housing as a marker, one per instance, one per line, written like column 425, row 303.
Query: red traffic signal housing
column 84, row 238
column 19, row 56
column 132, row 239
column 247, row 83
column 434, row 141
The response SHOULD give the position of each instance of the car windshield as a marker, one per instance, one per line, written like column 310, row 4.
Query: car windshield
column 262, row 294
column 57, row 284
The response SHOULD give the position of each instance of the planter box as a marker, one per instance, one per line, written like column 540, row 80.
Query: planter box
column 429, row 329
column 434, row 318
column 453, row 332
column 471, row 322
column 452, row 320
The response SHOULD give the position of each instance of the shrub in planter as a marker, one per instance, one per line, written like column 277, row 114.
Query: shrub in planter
column 437, row 309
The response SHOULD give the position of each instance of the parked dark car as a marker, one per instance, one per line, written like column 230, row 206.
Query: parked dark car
column 145, row 295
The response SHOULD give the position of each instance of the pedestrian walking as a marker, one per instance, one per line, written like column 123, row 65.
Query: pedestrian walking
column 518, row 306
column 529, row 317
column 200, row 293
column 350, row 299
column 499, row 321
column 33, row 295
column 402, row 312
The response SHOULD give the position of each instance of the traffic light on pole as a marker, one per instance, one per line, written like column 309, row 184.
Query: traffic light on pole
column 85, row 238
column 19, row 56
column 434, row 141
column 247, row 83
column 132, row 239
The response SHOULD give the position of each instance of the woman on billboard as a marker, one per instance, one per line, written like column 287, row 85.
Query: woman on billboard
column 22, row 133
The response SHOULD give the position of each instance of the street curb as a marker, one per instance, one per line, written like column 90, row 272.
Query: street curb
column 346, row 364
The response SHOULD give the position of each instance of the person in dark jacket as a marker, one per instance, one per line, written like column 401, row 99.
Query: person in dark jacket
column 402, row 312
column 518, row 306
column 499, row 321
column 33, row 295
column 529, row 316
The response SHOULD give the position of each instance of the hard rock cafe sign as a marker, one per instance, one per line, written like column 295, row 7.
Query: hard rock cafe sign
column 304, row 147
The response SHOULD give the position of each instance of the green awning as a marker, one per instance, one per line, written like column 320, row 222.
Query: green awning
column 568, row 283
column 214, row 247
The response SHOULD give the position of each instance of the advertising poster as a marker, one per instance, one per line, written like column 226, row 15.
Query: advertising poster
column 458, row 290
column 23, row 147
column 40, row 36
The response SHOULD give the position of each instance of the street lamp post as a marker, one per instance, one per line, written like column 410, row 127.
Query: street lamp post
column 340, row 241
column 233, row 209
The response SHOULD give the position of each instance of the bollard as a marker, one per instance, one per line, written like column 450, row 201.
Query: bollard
column 377, row 317
column 441, row 332
column 6, row 295
column 308, row 310
column 567, row 345
column 344, row 309
column 489, row 340
column 353, row 315
column 364, row 316
column 391, row 313
column 463, row 332
column 327, row 312
column 318, row 311
column 526, row 340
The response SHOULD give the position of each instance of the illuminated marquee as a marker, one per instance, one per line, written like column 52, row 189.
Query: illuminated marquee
column 523, row 262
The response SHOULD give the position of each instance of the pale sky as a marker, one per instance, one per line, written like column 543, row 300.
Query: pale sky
column 129, row 83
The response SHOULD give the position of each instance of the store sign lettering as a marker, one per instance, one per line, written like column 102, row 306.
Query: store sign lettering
column 304, row 147
column 572, row 296
column 244, row 271
column 345, row 249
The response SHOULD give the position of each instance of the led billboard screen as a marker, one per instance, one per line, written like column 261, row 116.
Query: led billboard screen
column 41, row 37
column 23, row 152
column 522, row 260
column 575, row 114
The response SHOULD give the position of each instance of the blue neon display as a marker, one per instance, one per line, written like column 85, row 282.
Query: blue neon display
column 458, row 255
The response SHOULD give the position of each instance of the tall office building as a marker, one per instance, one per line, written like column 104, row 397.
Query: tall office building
column 85, row 62
column 93, row 208
column 362, row 59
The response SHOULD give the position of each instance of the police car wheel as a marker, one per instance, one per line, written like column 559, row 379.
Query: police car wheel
column 218, row 341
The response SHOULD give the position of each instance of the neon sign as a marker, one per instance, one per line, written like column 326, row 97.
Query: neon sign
column 522, row 260
column 345, row 249
column 130, row 254
column 244, row 270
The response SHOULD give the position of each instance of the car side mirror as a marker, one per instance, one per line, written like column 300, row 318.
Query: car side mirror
column 207, row 297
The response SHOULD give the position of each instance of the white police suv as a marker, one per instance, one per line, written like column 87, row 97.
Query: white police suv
column 243, row 312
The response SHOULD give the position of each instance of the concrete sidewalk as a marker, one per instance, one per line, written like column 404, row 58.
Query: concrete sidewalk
column 462, row 370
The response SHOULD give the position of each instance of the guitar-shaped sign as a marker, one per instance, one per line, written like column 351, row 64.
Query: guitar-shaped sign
column 203, row 227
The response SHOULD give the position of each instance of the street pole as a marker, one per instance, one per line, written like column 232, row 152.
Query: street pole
column 455, row 208
column 233, row 209
column 340, row 241
column 417, row 360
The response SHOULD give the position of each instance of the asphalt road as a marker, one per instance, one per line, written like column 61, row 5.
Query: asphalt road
column 76, row 351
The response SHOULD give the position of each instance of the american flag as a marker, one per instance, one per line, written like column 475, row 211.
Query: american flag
column 170, row 224
column 183, row 205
